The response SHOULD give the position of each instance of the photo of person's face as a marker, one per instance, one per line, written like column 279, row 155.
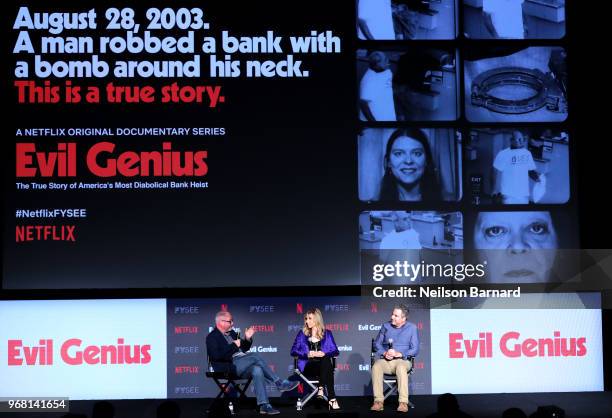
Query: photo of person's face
column 225, row 323
column 517, row 246
column 310, row 321
column 379, row 61
column 401, row 221
column 407, row 160
column 397, row 318
column 518, row 140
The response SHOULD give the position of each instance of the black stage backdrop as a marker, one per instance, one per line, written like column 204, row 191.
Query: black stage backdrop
column 278, row 204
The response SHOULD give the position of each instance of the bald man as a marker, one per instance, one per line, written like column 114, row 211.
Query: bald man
column 227, row 352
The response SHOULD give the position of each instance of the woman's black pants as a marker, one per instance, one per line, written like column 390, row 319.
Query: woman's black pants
column 322, row 368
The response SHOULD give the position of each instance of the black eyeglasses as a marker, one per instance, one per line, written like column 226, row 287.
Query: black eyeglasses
column 229, row 321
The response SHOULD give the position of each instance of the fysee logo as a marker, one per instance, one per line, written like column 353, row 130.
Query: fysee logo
column 294, row 327
column 262, row 308
column 186, row 310
column 336, row 308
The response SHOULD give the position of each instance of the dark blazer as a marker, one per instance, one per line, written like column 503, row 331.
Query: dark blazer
column 220, row 351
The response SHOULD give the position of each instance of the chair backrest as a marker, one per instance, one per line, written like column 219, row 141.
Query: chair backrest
column 219, row 367
column 372, row 352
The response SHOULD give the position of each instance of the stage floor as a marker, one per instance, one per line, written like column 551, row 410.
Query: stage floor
column 592, row 404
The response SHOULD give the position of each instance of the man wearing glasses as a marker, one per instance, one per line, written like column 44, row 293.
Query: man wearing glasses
column 227, row 352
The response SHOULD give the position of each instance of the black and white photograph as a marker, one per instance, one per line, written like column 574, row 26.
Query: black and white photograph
column 410, row 230
column 417, row 84
column 516, row 84
column 413, row 237
column 389, row 20
column 521, row 246
column 514, row 166
column 409, row 165
column 514, row 19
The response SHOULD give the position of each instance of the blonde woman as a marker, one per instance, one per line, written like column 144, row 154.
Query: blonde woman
column 314, row 346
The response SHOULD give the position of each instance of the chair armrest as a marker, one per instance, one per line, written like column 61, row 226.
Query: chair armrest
column 372, row 353
column 411, row 359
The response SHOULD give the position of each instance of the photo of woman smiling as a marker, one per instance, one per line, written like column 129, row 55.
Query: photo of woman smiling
column 409, row 173
column 408, row 165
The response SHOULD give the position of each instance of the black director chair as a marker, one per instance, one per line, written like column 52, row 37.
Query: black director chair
column 226, row 380
column 390, row 380
column 311, row 381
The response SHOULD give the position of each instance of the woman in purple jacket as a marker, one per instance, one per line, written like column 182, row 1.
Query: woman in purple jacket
column 314, row 346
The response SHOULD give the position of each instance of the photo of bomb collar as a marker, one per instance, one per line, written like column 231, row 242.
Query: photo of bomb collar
column 517, row 165
column 516, row 84
column 407, row 84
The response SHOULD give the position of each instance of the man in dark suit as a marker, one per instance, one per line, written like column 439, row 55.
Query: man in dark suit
column 227, row 352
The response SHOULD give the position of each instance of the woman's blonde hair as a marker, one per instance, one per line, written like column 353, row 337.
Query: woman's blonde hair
column 319, row 324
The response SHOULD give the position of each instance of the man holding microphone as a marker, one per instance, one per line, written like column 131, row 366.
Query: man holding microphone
column 396, row 341
column 228, row 352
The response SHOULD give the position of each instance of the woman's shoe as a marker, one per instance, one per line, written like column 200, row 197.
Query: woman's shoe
column 333, row 404
column 320, row 393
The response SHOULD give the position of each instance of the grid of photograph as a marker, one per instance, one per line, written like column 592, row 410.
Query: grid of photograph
column 463, row 133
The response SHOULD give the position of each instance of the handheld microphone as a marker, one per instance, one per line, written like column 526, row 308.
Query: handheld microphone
column 390, row 340
column 238, row 335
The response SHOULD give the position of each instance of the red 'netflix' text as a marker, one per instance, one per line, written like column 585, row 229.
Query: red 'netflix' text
column 24, row 233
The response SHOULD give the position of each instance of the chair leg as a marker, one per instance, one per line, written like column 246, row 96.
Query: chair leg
column 391, row 388
column 311, row 384
column 241, row 388
column 222, row 388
